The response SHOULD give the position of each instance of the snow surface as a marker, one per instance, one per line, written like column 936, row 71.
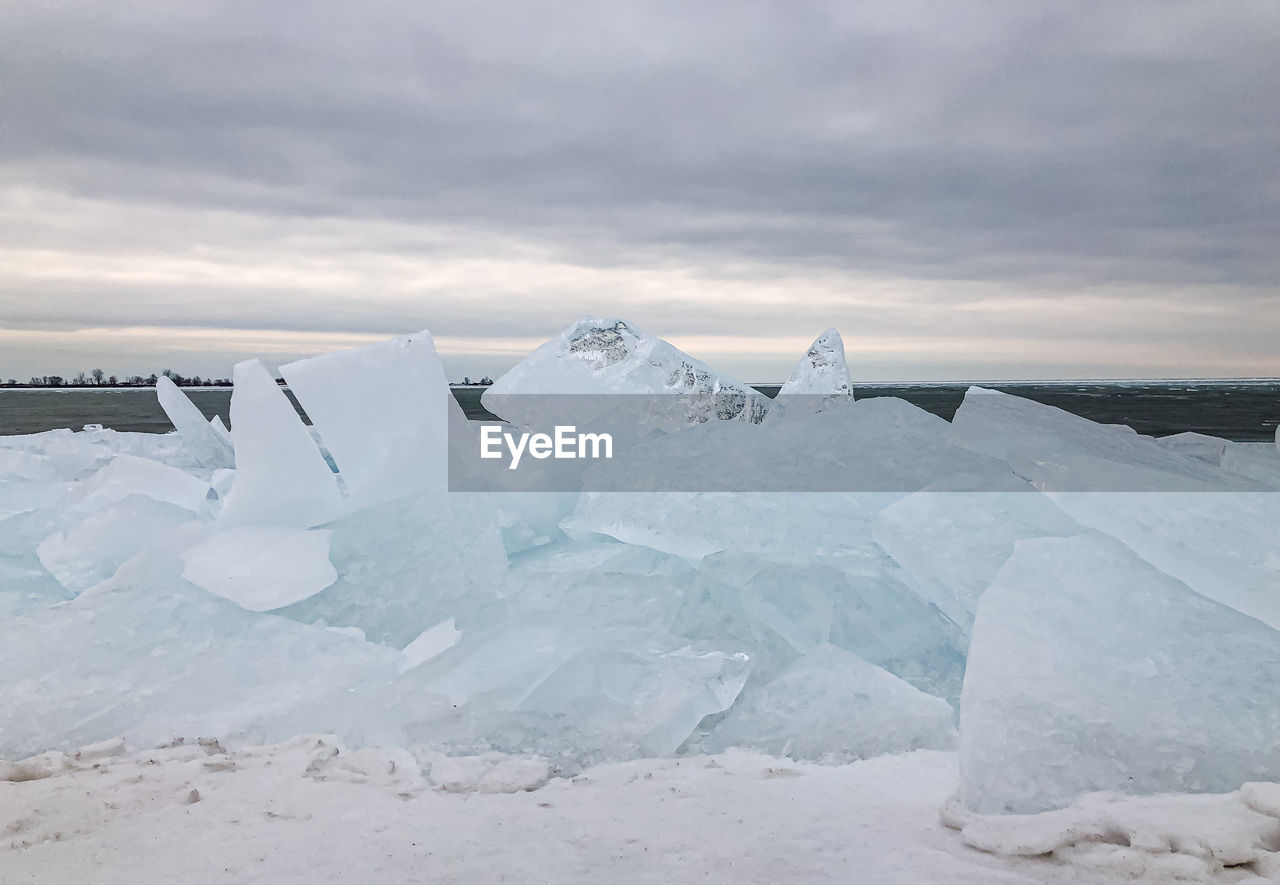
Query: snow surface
column 196, row 810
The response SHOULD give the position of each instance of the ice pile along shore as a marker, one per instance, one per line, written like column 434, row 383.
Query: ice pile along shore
column 1075, row 606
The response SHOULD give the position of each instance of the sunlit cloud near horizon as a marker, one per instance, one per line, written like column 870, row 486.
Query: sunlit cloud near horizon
column 999, row 192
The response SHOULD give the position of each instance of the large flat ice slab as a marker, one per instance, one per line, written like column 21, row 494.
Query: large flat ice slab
column 261, row 567
column 383, row 413
column 150, row 663
column 408, row 564
column 1058, row 451
column 559, row 686
column 1091, row 670
column 1222, row 545
column 950, row 546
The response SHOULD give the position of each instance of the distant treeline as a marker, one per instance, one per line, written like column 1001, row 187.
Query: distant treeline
column 99, row 378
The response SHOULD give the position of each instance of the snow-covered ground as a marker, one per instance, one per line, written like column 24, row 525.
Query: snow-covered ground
column 309, row 811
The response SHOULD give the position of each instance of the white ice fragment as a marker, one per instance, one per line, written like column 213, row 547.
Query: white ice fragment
column 383, row 412
column 833, row 706
column 21, row 464
column 1196, row 445
column 281, row 477
column 1091, row 670
column 23, row 496
column 152, row 662
column 1058, row 451
column 820, row 379
column 430, row 642
column 262, row 567
column 127, row 475
column 951, row 545
column 221, row 429
column 221, row 482
column 407, row 564
column 1222, row 545
column 208, row 448
column 611, row 356
column 558, row 686
column 1257, row 461
column 91, row 549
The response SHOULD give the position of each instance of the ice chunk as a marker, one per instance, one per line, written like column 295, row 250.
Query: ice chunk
column 208, row 448
column 1222, row 545
column 1196, row 445
column 1057, row 451
column 881, row 444
column 127, row 475
column 1091, row 670
column 22, row 496
column 609, row 583
column 221, row 429
column 20, row 464
column 408, row 564
column 779, row 611
column 793, row 526
column 430, row 642
column 281, row 478
column 149, row 663
column 832, row 706
column 1258, row 461
column 90, row 550
column 820, row 379
column 950, row 545
column 262, row 567
column 62, row 454
column 563, row 688
column 382, row 412
column 611, row 356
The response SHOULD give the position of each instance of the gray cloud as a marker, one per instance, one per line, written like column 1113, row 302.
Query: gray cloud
column 1038, row 148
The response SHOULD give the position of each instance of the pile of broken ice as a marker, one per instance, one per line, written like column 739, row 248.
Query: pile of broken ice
column 1075, row 606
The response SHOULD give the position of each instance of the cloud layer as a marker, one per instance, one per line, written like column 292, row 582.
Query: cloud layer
column 971, row 190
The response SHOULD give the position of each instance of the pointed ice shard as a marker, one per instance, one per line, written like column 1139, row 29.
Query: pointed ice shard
column 383, row 413
column 203, row 441
column 611, row 356
column 281, row 477
column 822, row 372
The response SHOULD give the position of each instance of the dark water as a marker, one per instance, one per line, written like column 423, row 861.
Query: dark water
column 1246, row 411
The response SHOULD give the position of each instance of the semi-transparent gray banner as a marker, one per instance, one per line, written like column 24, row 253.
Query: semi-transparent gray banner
column 735, row 442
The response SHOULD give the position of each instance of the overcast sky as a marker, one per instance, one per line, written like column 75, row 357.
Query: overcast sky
column 965, row 190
